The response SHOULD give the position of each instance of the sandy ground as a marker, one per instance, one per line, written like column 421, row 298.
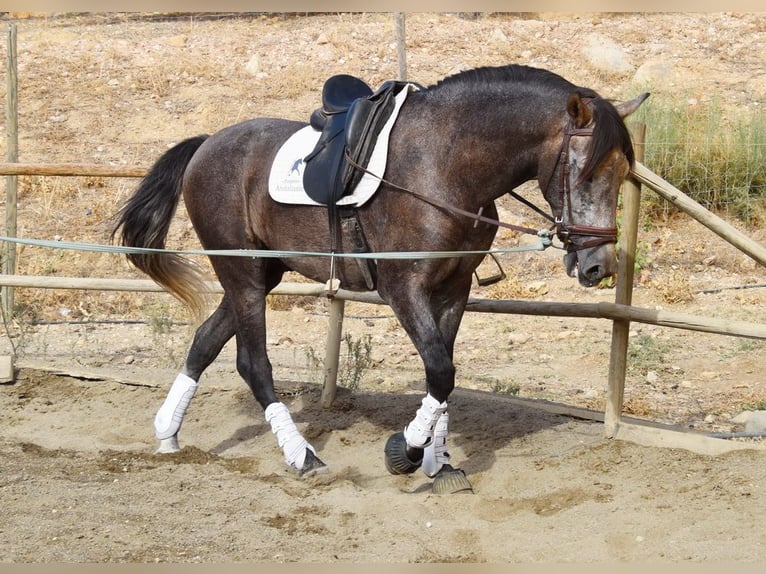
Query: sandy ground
column 79, row 480
column 80, row 483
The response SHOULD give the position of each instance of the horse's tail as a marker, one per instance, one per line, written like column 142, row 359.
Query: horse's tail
column 145, row 220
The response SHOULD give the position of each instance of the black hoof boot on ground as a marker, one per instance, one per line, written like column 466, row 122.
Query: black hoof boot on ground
column 451, row 480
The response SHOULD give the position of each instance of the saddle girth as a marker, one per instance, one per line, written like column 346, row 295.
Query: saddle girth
column 344, row 223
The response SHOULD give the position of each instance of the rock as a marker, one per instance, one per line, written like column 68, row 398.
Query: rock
column 538, row 287
column 563, row 335
column 518, row 338
column 499, row 36
column 177, row 41
column 253, row 65
column 754, row 421
column 652, row 377
column 7, row 374
column 605, row 55
column 654, row 72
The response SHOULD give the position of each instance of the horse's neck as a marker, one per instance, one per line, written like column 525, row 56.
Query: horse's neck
column 513, row 146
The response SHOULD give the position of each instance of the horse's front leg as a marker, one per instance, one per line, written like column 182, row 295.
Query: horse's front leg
column 432, row 326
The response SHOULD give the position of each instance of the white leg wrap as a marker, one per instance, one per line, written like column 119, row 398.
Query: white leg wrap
column 436, row 455
column 420, row 432
column 171, row 414
column 289, row 438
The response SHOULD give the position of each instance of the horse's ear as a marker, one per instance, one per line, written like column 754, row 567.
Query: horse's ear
column 627, row 108
column 578, row 111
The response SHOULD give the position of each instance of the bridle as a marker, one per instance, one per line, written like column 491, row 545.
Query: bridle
column 566, row 230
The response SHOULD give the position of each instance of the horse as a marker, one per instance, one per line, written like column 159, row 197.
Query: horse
column 456, row 147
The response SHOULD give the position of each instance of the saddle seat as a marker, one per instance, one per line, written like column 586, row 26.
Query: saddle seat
column 338, row 93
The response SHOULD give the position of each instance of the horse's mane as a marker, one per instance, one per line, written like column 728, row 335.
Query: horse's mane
column 538, row 78
column 609, row 132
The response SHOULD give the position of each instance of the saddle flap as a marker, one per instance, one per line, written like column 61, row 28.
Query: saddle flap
column 366, row 118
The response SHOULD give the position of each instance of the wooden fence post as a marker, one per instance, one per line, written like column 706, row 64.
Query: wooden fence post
column 332, row 351
column 618, row 356
column 401, row 45
column 11, row 181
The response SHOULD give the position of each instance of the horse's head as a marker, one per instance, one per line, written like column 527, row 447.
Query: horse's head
column 593, row 158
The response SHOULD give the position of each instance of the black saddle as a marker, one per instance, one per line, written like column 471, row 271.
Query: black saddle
column 350, row 119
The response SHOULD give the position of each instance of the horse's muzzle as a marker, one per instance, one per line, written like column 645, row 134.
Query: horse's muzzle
column 592, row 265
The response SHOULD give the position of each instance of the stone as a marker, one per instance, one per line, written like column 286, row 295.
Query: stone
column 538, row 287
column 7, row 373
column 253, row 65
column 654, row 72
column 754, row 421
column 518, row 338
column 606, row 55
column 499, row 36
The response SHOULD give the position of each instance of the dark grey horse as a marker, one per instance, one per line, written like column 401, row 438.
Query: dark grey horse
column 457, row 146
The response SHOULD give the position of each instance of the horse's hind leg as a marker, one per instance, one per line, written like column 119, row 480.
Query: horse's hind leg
column 209, row 339
column 248, row 282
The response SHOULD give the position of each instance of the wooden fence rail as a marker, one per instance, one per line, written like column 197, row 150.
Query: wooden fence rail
column 601, row 310
column 71, row 169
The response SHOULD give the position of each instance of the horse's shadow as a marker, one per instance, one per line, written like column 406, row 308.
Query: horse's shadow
column 481, row 423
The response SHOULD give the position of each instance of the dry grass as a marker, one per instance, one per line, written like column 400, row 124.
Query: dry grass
column 674, row 286
column 509, row 288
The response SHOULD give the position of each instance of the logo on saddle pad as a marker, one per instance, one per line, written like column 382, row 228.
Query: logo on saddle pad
column 286, row 178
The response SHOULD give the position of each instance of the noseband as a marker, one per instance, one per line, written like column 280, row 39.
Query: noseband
column 566, row 231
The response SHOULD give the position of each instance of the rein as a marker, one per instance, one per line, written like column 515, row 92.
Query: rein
column 478, row 217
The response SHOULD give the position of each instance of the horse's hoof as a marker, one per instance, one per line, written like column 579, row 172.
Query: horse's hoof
column 451, row 480
column 312, row 465
column 398, row 460
column 168, row 445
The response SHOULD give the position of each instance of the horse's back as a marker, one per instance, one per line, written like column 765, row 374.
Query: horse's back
column 256, row 140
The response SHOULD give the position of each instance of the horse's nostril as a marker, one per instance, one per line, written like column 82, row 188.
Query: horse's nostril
column 594, row 274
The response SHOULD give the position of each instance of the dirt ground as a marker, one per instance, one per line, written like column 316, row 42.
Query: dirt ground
column 79, row 480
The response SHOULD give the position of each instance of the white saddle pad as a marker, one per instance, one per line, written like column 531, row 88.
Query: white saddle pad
column 286, row 175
